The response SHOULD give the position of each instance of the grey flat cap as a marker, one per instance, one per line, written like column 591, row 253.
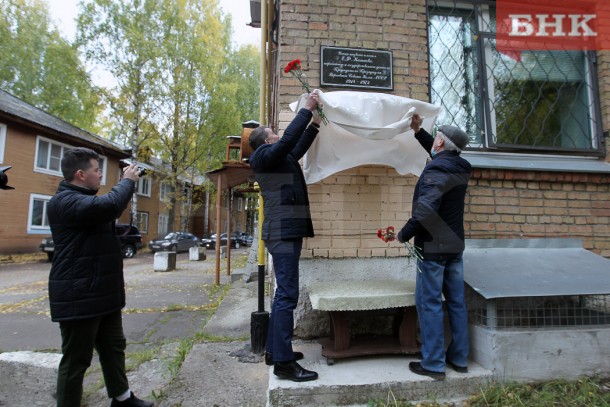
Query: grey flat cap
column 456, row 135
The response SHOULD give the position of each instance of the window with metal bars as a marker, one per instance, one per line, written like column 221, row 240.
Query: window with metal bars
column 527, row 100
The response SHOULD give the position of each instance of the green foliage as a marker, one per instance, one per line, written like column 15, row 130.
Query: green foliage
column 181, row 87
column 42, row 68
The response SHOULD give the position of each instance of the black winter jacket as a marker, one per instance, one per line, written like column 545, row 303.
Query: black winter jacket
column 86, row 278
column 280, row 177
column 437, row 213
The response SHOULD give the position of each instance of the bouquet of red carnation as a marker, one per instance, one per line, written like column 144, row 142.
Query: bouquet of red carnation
column 386, row 235
column 389, row 235
column 294, row 68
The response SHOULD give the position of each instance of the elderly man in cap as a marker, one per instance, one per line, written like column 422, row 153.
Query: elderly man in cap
column 437, row 223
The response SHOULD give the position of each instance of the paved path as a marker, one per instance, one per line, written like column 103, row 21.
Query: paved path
column 166, row 323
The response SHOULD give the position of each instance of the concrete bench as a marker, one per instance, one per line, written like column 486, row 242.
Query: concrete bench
column 354, row 299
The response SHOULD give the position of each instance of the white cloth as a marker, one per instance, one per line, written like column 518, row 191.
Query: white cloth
column 367, row 128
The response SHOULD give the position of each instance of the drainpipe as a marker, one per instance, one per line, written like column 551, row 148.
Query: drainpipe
column 259, row 320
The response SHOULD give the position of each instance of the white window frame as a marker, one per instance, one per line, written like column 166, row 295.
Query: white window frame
column 3, row 131
column 64, row 147
column 144, row 186
column 240, row 204
column 142, row 221
column 165, row 190
column 163, row 224
column 103, row 167
column 38, row 229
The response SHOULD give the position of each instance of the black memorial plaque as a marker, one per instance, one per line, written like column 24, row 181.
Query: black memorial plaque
column 356, row 68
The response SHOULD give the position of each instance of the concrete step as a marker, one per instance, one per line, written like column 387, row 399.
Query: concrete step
column 357, row 381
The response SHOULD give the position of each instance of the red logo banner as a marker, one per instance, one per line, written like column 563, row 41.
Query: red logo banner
column 535, row 25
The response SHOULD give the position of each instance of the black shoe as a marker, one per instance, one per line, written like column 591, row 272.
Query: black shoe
column 269, row 357
column 459, row 369
column 417, row 368
column 132, row 401
column 293, row 371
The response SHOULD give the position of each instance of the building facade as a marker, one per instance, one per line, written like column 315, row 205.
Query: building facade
column 32, row 142
column 538, row 123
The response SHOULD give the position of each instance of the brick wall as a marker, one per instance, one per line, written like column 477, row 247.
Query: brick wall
column 20, row 153
column 397, row 25
column 523, row 204
column 349, row 207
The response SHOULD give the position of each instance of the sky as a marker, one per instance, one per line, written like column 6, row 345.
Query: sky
column 64, row 12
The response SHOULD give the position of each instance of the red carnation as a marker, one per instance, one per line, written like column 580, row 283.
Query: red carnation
column 294, row 64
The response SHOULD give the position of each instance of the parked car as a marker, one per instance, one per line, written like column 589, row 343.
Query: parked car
column 174, row 242
column 246, row 239
column 210, row 242
column 129, row 235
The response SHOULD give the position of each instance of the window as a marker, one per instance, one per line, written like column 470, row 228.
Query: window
column 142, row 221
column 163, row 226
column 240, row 204
column 532, row 100
column 49, row 154
column 2, row 141
column 143, row 186
column 102, row 163
column 165, row 191
column 38, row 222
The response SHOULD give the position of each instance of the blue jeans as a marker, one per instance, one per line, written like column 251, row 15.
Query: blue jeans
column 286, row 254
column 436, row 278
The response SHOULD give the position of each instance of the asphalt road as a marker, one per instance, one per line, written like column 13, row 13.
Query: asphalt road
column 24, row 306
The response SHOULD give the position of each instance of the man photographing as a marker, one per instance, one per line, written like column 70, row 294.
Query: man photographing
column 86, row 284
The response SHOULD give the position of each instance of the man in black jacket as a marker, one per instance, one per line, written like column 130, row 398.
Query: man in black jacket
column 86, row 286
column 275, row 162
column 437, row 223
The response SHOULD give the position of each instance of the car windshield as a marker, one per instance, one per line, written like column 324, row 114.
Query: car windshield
column 170, row 236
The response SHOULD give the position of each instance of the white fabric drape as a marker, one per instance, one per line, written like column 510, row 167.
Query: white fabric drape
column 367, row 128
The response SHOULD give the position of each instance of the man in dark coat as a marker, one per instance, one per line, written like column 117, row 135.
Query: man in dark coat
column 437, row 223
column 275, row 163
column 86, row 286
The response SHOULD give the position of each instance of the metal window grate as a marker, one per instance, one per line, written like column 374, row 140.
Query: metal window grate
column 538, row 312
column 537, row 100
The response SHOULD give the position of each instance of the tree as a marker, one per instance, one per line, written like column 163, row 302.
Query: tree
column 177, row 85
column 41, row 67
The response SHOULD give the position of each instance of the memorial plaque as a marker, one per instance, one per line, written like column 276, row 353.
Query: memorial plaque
column 356, row 68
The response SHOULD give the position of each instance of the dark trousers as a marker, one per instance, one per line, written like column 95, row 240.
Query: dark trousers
column 78, row 339
column 286, row 254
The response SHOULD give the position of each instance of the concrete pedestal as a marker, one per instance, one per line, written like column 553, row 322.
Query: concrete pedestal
column 28, row 378
column 197, row 253
column 165, row 261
